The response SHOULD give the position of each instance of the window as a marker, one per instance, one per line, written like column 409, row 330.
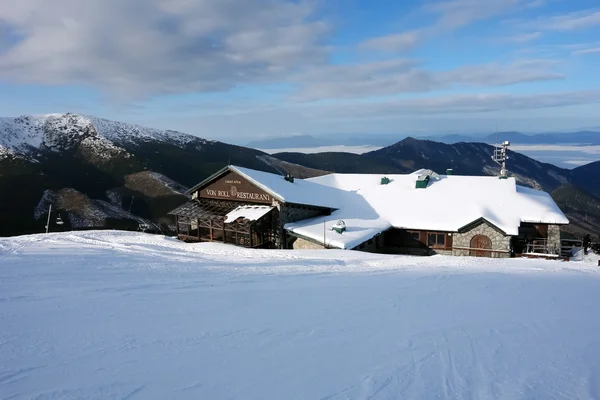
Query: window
column 414, row 235
column 436, row 239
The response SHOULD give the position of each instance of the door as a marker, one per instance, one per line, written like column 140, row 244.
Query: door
column 480, row 246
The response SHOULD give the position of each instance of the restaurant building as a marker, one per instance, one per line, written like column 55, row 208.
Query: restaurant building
column 420, row 213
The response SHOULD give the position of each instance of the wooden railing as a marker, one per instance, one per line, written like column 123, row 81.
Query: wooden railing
column 541, row 246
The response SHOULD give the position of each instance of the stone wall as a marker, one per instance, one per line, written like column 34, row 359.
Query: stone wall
column 291, row 213
column 304, row 244
column 554, row 239
column 295, row 213
column 499, row 241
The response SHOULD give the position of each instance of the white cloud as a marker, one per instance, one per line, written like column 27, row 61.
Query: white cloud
column 572, row 21
column 406, row 76
column 459, row 104
column 593, row 50
column 147, row 47
column 450, row 15
column 393, row 43
column 458, row 13
column 525, row 37
column 142, row 48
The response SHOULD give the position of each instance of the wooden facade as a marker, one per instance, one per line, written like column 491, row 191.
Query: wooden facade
column 232, row 186
column 416, row 242
column 203, row 218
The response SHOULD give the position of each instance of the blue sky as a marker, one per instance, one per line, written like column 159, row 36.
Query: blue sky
column 243, row 69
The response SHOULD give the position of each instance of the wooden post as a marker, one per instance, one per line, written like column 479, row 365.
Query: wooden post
column 177, row 224
column 198, row 227
column 210, row 228
column 237, row 228
column 223, row 231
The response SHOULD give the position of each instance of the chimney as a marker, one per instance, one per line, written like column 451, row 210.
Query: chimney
column 422, row 182
column 449, row 171
column 289, row 178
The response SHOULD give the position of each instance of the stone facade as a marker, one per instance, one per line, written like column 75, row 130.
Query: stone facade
column 554, row 239
column 292, row 213
column 500, row 242
column 303, row 244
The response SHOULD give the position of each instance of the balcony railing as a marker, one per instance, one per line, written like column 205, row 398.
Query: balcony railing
column 542, row 247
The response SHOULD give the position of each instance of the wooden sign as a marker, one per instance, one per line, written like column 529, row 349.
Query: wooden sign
column 234, row 187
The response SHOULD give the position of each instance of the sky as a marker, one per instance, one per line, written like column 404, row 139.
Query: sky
column 248, row 69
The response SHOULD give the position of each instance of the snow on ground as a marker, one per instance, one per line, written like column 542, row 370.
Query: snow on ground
column 104, row 315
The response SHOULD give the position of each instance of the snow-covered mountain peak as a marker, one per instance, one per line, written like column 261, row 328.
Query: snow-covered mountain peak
column 25, row 135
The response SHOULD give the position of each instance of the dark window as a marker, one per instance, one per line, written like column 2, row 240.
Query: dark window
column 436, row 239
column 414, row 235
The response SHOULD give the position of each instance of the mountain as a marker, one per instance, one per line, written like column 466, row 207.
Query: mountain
column 383, row 140
column 342, row 162
column 469, row 159
column 101, row 173
column 572, row 138
column 588, row 177
column 300, row 141
column 411, row 154
column 311, row 142
column 582, row 209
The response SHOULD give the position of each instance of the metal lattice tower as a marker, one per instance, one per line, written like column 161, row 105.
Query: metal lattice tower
column 500, row 157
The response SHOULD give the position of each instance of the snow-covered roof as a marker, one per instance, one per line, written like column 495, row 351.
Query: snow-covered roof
column 300, row 191
column 251, row 213
column 449, row 203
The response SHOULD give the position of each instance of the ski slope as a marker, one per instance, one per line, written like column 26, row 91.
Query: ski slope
column 121, row 315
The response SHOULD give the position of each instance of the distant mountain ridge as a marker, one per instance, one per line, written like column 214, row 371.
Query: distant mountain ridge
column 309, row 141
column 411, row 154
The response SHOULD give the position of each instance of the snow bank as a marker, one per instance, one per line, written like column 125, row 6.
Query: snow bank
column 126, row 315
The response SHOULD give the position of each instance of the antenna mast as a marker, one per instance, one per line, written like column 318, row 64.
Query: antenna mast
column 500, row 157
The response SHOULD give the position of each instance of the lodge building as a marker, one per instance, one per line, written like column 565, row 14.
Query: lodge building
column 422, row 213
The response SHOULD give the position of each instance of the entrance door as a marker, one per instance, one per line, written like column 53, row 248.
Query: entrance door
column 480, row 246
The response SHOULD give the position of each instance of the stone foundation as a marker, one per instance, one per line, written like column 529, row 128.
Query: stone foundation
column 303, row 244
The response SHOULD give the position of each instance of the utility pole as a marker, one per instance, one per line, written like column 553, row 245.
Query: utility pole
column 48, row 222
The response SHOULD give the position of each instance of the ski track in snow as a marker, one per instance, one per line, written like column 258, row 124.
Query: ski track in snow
column 108, row 314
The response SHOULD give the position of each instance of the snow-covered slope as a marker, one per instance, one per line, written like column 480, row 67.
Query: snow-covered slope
column 101, row 315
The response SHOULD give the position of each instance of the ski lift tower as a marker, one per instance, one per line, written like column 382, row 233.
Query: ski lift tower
column 500, row 157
